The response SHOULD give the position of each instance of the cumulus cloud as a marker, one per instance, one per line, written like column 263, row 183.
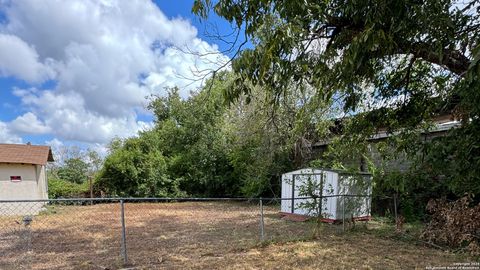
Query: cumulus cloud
column 72, row 121
column 20, row 60
column 55, row 144
column 7, row 136
column 29, row 124
column 105, row 57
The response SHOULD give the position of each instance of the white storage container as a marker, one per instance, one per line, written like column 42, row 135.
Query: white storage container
column 342, row 192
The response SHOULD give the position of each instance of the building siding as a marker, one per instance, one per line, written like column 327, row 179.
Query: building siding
column 33, row 186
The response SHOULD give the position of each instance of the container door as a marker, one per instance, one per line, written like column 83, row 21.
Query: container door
column 306, row 185
column 357, row 205
column 286, row 205
column 329, row 189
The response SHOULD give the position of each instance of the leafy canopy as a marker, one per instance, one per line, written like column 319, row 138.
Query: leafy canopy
column 202, row 146
column 74, row 170
column 389, row 64
column 402, row 51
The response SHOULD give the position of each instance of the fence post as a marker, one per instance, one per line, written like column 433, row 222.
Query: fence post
column 395, row 206
column 262, row 232
column 343, row 213
column 124, row 235
column 369, row 207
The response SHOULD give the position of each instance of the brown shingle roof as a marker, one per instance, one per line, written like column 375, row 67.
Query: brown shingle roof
column 24, row 153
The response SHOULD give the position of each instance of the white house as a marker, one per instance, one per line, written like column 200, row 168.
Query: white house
column 23, row 176
column 343, row 194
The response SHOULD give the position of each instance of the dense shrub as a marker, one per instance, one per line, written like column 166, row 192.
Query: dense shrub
column 413, row 190
column 202, row 147
column 58, row 188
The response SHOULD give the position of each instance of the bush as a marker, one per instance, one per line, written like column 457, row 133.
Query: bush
column 455, row 224
column 58, row 188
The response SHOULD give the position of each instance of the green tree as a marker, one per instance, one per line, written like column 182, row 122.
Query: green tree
column 387, row 64
column 205, row 147
column 266, row 141
column 135, row 167
column 190, row 135
column 402, row 48
column 74, row 170
column 94, row 161
column 406, row 59
column 68, row 176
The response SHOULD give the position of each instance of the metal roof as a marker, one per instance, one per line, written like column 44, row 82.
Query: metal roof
column 342, row 172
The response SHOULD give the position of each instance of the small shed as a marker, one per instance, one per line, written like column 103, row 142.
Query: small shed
column 333, row 193
column 23, row 176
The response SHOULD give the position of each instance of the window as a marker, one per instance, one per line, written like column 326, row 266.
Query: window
column 15, row 178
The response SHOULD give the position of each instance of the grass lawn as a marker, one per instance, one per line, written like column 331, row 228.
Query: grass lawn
column 203, row 235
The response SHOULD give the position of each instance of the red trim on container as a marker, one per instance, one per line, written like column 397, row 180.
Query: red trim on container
column 298, row 217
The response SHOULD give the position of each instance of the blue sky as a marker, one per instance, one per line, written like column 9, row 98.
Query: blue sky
column 78, row 71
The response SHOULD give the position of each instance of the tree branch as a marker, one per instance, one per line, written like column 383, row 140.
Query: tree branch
column 453, row 60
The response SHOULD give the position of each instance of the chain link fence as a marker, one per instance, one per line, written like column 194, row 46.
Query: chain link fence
column 148, row 232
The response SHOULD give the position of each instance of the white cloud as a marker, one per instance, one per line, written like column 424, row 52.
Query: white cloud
column 7, row 136
column 29, row 124
column 67, row 114
column 55, row 144
column 63, row 151
column 20, row 60
column 105, row 57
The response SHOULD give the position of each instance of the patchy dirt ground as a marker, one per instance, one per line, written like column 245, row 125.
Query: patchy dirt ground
column 198, row 235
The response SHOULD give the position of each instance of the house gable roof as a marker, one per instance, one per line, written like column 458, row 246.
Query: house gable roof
column 25, row 153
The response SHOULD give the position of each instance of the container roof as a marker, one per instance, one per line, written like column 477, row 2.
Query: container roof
column 315, row 170
column 25, row 153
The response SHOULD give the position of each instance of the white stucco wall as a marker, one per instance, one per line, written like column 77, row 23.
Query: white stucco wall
column 33, row 186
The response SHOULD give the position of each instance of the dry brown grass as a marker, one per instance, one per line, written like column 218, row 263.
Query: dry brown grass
column 197, row 235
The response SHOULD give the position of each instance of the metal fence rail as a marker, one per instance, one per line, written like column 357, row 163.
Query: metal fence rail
column 114, row 232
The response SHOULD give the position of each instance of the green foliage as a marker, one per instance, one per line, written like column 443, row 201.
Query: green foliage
column 391, row 66
column 75, row 171
column 68, row 176
column 395, row 46
column 377, row 66
column 74, row 165
column 136, row 169
column 202, row 146
column 58, row 188
column 454, row 160
column 312, row 188
column 263, row 141
column 185, row 152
